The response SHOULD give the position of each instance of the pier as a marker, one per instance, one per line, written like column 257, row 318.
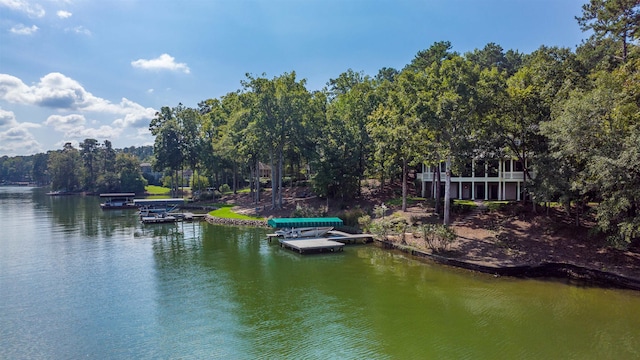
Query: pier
column 334, row 241
column 312, row 245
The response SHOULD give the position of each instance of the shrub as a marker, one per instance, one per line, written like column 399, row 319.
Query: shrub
column 224, row 188
column 364, row 222
column 437, row 237
column 351, row 217
column 306, row 211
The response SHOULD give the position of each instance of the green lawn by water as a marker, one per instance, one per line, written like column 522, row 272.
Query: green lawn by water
column 225, row 212
column 157, row 190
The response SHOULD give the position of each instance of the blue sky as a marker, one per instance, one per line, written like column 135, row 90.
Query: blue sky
column 77, row 69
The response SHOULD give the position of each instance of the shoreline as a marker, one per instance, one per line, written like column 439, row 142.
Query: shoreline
column 574, row 274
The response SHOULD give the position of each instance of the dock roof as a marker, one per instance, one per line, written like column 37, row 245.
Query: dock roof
column 304, row 222
column 117, row 195
column 170, row 201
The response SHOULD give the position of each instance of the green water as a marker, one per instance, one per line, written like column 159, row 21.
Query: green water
column 77, row 282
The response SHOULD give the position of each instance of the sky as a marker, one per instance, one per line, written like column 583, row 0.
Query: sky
column 71, row 70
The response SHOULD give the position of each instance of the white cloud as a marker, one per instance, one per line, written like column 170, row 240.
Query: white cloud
column 60, row 92
column 81, row 30
column 15, row 137
column 21, row 29
column 102, row 132
column 24, row 6
column 73, row 106
column 62, row 14
column 65, row 123
column 7, row 118
column 64, row 94
column 163, row 62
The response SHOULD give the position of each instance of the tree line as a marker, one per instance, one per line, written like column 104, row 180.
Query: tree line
column 94, row 167
column 570, row 117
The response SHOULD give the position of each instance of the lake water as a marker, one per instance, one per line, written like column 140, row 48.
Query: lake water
column 77, row 282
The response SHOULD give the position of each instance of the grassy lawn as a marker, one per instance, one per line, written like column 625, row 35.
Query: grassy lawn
column 157, row 190
column 465, row 202
column 225, row 212
column 398, row 201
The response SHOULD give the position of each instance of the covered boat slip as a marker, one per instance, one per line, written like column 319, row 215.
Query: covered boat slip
column 289, row 223
column 158, row 202
column 333, row 240
column 148, row 206
column 153, row 211
column 118, row 201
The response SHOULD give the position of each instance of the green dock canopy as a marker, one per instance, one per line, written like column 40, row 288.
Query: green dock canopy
column 304, row 222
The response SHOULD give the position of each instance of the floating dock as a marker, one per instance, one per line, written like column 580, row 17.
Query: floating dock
column 312, row 245
column 171, row 217
column 332, row 240
column 158, row 219
column 335, row 241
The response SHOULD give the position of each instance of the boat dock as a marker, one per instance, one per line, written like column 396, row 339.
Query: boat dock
column 309, row 245
column 316, row 241
column 335, row 241
column 171, row 217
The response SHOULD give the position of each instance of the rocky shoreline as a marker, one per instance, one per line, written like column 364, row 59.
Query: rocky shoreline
column 575, row 275
column 234, row 222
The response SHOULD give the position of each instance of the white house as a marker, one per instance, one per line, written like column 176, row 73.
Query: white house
column 494, row 179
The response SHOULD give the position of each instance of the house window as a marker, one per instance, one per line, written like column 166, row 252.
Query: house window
column 492, row 168
column 467, row 170
column 507, row 166
column 479, row 168
column 518, row 166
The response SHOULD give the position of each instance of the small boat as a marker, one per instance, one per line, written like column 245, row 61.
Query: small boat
column 149, row 207
column 158, row 218
column 304, row 232
column 118, row 201
column 58, row 193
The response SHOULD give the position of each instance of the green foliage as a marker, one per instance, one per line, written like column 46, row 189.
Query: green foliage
column 224, row 189
column 65, row 169
column 463, row 206
column 380, row 211
column 199, row 182
column 436, row 237
column 364, row 222
column 303, row 211
column 351, row 217
column 496, row 205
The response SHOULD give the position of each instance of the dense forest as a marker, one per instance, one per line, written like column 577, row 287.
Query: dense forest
column 94, row 167
column 571, row 116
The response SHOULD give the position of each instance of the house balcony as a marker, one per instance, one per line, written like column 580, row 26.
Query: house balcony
column 503, row 176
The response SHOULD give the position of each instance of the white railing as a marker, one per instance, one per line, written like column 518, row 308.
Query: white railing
column 511, row 175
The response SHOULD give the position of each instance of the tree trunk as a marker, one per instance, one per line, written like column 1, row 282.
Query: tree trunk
column 447, row 191
column 251, row 181
column 257, row 180
column 273, row 181
column 404, row 184
column 438, row 185
column 280, row 176
column 235, row 178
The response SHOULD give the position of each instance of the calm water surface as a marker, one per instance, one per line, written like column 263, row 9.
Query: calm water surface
column 77, row 282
